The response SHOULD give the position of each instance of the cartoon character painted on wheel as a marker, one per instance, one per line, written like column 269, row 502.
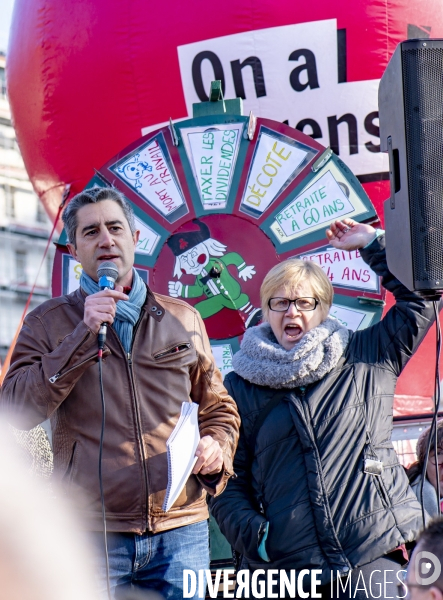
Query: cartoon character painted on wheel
column 134, row 170
column 200, row 255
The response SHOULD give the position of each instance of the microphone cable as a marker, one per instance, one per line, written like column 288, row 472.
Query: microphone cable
column 437, row 405
column 100, row 477
column 107, row 275
column 433, row 429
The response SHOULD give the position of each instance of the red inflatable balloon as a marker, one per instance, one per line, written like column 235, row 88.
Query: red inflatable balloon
column 88, row 77
column 85, row 78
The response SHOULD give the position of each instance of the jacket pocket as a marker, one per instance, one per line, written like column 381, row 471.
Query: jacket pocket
column 291, row 531
column 172, row 351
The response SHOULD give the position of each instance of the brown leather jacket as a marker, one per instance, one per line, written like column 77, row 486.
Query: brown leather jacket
column 54, row 373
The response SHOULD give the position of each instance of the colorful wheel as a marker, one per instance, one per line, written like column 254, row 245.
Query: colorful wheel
column 219, row 199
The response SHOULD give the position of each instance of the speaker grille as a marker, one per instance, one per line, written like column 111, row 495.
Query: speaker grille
column 423, row 97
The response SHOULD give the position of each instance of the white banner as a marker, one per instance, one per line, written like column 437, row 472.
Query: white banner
column 148, row 239
column 72, row 271
column 273, row 165
column 290, row 73
column 345, row 268
column 223, row 357
column 146, row 171
column 349, row 317
column 322, row 202
column 212, row 153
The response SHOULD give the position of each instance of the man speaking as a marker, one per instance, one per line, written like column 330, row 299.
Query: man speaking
column 156, row 355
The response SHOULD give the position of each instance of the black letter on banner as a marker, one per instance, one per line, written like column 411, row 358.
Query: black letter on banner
column 257, row 73
column 197, row 73
column 310, row 67
column 373, row 129
column 333, row 124
column 316, row 131
column 341, row 56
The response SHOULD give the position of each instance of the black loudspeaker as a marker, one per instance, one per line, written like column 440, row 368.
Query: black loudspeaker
column 411, row 129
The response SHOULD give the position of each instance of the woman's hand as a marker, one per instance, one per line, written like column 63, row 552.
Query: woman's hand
column 349, row 235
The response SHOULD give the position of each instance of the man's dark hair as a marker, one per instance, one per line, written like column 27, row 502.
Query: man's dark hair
column 90, row 196
column 431, row 539
column 416, row 467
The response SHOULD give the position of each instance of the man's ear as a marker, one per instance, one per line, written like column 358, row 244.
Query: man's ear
column 72, row 251
column 135, row 237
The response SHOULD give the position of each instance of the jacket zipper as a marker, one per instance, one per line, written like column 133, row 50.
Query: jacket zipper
column 140, row 435
column 381, row 490
column 137, row 415
column 137, row 412
column 307, row 417
column 378, row 479
column 57, row 376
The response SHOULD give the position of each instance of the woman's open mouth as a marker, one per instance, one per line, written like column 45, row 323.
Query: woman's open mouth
column 293, row 331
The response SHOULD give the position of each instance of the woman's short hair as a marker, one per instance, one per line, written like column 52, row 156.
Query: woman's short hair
column 292, row 272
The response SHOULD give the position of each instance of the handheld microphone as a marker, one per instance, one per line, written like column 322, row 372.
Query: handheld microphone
column 107, row 275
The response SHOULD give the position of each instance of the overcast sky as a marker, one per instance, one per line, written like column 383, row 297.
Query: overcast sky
column 5, row 21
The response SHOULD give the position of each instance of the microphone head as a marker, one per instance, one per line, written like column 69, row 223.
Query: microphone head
column 109, row 270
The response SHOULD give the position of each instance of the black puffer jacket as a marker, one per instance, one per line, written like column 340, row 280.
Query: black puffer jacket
column 307, row 475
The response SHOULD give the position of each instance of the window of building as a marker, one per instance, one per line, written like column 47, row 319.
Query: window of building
column 41, row 213
column 2, row 83
column 21, row 264
column 9, row 201
column 9, row 143
column 49, row 266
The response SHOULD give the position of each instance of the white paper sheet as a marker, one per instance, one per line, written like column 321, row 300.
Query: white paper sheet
column 181, row 447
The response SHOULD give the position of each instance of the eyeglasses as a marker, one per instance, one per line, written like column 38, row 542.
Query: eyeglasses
column 301, row 304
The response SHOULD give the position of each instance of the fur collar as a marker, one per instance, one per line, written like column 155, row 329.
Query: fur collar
column 261, row 359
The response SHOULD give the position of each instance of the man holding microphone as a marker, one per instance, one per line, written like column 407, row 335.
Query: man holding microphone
column 156, row 356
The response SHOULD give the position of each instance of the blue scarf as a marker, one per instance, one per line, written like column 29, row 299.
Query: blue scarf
column 128, row 312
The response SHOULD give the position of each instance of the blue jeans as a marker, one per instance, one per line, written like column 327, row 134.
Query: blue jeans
column 151, row 561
